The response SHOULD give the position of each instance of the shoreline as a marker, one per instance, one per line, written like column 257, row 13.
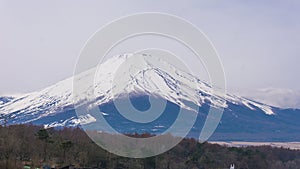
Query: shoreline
column 287, row 145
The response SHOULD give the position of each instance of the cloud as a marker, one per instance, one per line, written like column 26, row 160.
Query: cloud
column 278, row 97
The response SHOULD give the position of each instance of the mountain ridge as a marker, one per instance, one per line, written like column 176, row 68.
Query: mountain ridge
column 54, row 105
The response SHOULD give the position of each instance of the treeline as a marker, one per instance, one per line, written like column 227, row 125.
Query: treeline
column 34, row 146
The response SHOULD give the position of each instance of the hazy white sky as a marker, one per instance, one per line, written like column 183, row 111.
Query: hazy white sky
column 258, row 41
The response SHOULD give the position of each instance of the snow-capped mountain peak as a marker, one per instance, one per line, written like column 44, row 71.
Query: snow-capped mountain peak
column 143, row 75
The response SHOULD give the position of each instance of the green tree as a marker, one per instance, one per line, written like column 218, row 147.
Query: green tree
column 66, row 145
column 44, row 136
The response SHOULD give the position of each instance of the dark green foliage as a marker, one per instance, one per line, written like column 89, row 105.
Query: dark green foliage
column 43, row 134
column 34, row 146
column 66, row 145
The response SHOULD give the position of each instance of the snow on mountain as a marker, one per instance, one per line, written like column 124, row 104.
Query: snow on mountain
column 170, row 83
column 5, row 99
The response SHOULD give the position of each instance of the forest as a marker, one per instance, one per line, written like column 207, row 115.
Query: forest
column 32, row 146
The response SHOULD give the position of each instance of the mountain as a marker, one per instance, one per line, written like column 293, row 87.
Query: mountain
column 5, row 99
column 242, row 120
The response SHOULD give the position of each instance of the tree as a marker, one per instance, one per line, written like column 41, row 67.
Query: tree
column 66, row 145
column 44, row 136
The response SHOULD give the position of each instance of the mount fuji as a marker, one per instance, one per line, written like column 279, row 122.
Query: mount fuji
column 243, row 119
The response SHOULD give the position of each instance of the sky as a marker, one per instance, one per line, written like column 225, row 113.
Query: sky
column 257, row 41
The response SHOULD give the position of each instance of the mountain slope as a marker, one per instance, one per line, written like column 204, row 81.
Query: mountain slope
column 5, row 99
column 54, row 106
